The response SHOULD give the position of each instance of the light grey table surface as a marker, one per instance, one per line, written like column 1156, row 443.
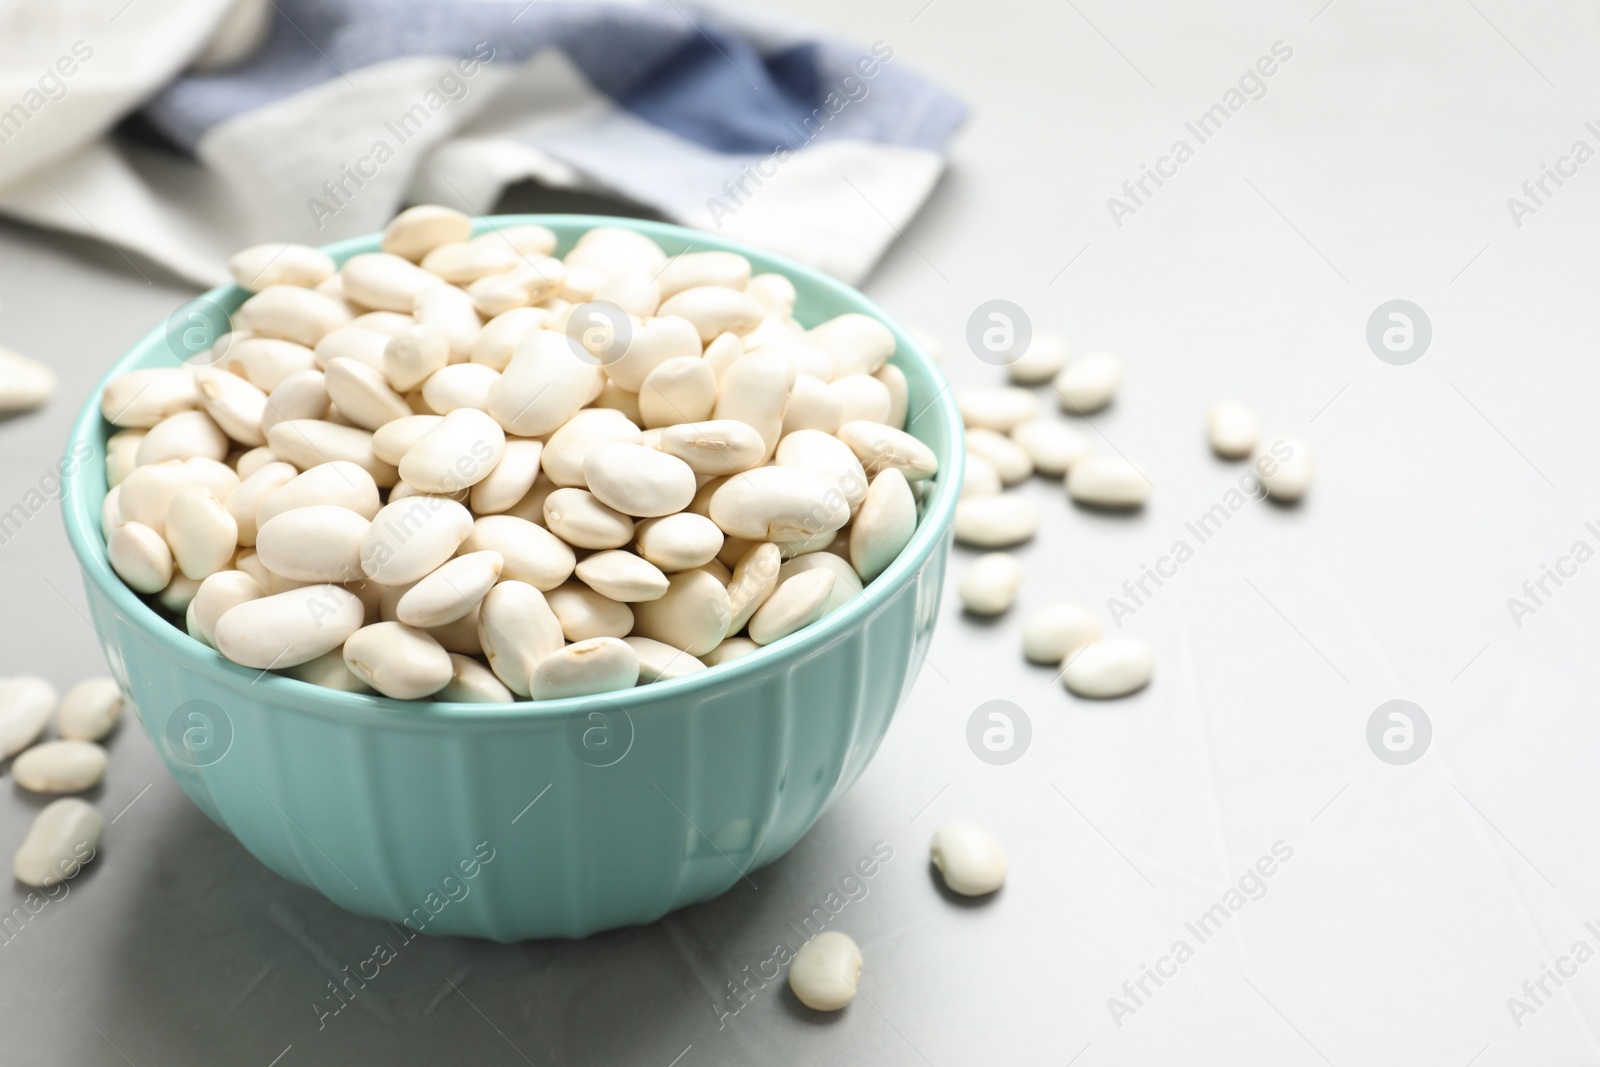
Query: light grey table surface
column 1417, row 899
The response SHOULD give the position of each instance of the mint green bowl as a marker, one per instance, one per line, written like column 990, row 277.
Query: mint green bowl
column 550, row 819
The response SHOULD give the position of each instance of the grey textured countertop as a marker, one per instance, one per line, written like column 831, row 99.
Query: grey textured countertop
column 1406, row 904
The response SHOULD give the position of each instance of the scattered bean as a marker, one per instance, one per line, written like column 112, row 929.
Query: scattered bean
column 990, row 584
column 60, row 767
column 972, row 863
column 1110, row 668
column 63, row 837
column 826, row 971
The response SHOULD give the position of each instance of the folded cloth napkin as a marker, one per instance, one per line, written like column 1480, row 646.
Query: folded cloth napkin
column 314, row 120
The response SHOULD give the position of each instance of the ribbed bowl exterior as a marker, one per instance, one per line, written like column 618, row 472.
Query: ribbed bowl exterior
column 556, row 818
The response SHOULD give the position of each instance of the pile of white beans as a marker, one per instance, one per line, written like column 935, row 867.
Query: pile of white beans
column 66, row 832
column 441, row 470
column 1007, row 442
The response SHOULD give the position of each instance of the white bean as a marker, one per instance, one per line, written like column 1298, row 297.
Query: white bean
column 302, row 395
column 385, row 282
column 989, row 585
column 1046, row 355
column 679, row 390
column 1286, row 466
column 418, row 230
column 267, row 362
column 879, row 447
column 142, row 398
column 595, row 665
column 996, row 521
column 303, row 316
column 60, row 767
column 638, row 481
column 781, row 504
column 1111, row 668
column 1232, row 429
column 392, row 440
column 473, row 683
column 259, row 266
column 584, row 613
column 622, row 576
column 341, row 483
column 413, row 537
column 147, row 492
column 409, row 358
column 728, row 651
column 755, row 390
column 1009, row 459
column 452, row 591
column 755, row 576
column 528, row 552
column 661, row 662
column 122, row 448
column 460, row 262
column 309, row 443
column 361, row 344
column 460, row 385
column 581, row 520
column 858, row 343
column 288, row 628
column 894, row 379
column 678, row 542
column 498, row 340
column 518, row 631
column 511, row 478
column 884, row 524
column 61, row 840
column 692, row 615
column 178, row 594
column 826, row 971
column 217, row 594
column 25, row 707
column 728, row 269
column 235, row 405
column 319, row 543
column 397, row 660
column 1087, row 384
column 459, row 452
column 716, row 446
column 980, row 478
column 1052, row 634
column 186, row 435
column 827, row 456
column 1054, row 448
column 140, row 557
column 814, row 405
column 996, row 407
column 329, row 671
column 799, row 601
column 973, row 863
column 543, row 386
column 1108, row 482
column 534, row 280
column 714, row 309
column 89, row 710
column 774, row 292
column 846, row 583
column 362, row 394
column 203, row 534
column 566, row 449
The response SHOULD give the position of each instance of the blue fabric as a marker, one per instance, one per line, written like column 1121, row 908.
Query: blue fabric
column 689, row 73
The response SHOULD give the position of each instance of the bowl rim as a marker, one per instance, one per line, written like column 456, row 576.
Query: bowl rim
column 82, row 519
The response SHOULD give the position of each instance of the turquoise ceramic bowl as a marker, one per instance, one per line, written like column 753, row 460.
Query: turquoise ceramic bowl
column 556, row 818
